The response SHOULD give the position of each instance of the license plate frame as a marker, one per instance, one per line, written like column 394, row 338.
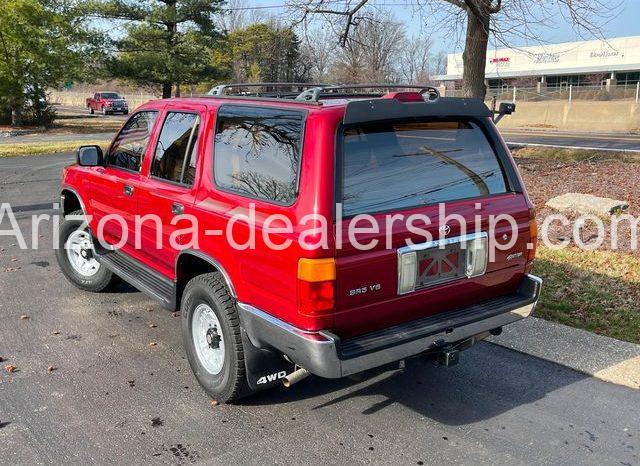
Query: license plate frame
column 437, row 265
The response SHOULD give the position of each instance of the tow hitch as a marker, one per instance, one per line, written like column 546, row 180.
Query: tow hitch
column 448, row 357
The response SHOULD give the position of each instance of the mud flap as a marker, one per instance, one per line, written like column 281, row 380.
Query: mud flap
column 265, row 368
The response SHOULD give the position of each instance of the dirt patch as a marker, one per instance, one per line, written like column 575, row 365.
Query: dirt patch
column 547, row 178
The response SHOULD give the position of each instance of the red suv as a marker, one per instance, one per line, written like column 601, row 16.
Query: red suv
column 331, row 231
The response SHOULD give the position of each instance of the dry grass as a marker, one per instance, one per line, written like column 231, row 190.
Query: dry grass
column 598, row 291
column 97, row 124
column 39, row 148
column 575, row 155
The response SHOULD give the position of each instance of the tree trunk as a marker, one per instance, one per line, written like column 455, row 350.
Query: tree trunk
column 178, row 91
column 166, row 90
column 475, row 54
column 16, row 115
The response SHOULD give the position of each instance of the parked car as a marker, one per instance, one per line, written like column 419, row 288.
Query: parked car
column 107, row 103
column 257, row 317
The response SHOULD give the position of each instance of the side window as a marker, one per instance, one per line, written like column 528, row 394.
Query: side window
column 175, row 157
column 127, row 151
column 96, row 97
column 257, row 152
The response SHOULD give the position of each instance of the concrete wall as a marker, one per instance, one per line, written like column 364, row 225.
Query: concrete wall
column 615, row 116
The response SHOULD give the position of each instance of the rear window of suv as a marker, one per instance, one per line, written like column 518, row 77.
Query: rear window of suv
column 391, row 166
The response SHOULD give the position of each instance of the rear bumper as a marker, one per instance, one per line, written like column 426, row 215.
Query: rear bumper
column 326, row 355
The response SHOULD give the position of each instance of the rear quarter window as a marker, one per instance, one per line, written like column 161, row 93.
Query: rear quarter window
column 257, row 152
column 390, row 166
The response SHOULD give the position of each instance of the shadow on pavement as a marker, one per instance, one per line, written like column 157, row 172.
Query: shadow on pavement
column 489, row 381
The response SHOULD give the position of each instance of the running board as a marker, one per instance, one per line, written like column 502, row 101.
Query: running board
column 140, row 276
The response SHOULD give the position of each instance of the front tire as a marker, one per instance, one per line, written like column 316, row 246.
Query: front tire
column 91, row 112
column 212, row 340
column 75, row 256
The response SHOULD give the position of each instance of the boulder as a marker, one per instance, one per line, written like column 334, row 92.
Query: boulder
column 587, row 204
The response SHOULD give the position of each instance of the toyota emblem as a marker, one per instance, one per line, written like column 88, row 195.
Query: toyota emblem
column 445, row 230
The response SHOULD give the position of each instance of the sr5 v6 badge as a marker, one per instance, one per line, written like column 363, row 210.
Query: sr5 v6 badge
column 365, row 289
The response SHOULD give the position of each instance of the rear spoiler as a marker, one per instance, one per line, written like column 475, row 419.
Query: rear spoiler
column 372, row 110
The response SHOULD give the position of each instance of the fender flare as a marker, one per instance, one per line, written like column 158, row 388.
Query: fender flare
column 76, row 194
column 213, row 262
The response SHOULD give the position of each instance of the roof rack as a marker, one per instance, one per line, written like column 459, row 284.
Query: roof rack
column 315, row 93
column 310, row 92
column 278, row 90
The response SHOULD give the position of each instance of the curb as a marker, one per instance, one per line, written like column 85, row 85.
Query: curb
column 602, row 357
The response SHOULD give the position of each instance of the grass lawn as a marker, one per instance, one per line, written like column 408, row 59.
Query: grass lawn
column 38, row 148
column 84, row 125
column 598, row 291
column 575, row 155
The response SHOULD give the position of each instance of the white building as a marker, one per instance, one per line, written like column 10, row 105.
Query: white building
column 593, row 62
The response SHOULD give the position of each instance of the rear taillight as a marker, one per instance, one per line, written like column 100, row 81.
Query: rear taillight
column 316, row 286
column 533, row 237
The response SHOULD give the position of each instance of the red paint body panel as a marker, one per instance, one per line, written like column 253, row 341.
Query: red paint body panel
column 267, row 279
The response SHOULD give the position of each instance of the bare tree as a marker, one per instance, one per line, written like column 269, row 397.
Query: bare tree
column 415, row 60
column 318, row 51
column 483, row 19
column 370, row 52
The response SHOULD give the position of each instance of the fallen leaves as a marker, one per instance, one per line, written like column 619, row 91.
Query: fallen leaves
column 152, row 325
column 153, row 343
column 10, row 368
column 175, row 314
column 24, row 317
column 55, row 332
column 50, row 369
column 214, row 403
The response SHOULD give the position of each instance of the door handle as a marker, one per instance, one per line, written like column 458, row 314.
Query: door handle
column 128, row 190
column 177, row 209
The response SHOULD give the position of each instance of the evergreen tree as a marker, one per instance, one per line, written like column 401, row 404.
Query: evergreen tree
column 166, row 42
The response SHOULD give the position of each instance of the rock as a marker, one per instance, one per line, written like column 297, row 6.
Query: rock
column 587, row 204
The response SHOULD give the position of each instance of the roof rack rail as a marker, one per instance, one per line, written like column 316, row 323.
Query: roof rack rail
column 315, row 93
column 225, row 89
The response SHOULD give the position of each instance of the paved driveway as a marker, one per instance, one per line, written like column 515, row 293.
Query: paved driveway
column 114, row 398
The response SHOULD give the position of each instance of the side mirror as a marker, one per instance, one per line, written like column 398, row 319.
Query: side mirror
column 90, row 156
column 507, row 108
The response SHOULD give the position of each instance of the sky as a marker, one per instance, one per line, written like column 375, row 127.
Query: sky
column 625, row 22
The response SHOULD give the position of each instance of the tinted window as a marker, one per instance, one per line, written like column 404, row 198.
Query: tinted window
column 175, row 155
column 257, row 152
column 395, row 166
column 110, row 96
column 127, row 151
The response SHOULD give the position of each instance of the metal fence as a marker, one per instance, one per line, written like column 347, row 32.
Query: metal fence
column 565, row 93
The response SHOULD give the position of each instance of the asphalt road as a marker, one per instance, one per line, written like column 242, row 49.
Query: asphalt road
column 113, row 398
column 602, row 141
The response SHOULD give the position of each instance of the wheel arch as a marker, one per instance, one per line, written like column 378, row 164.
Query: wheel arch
column 192, row 263
column 70, row 201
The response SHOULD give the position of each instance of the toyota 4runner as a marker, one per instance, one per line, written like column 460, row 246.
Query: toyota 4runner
column 360, row 269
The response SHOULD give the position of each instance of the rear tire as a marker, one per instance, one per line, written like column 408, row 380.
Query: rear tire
column 212, row 340
column 75, row 257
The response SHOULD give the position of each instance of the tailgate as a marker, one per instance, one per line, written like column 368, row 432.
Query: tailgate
column 420, row 182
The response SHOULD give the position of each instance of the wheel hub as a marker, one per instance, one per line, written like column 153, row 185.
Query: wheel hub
column 208, row 339
column 213, row 338
column 80, row 254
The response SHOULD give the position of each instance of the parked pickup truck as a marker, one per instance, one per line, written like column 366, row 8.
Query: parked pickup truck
column 302, row 234
column 107, row 103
